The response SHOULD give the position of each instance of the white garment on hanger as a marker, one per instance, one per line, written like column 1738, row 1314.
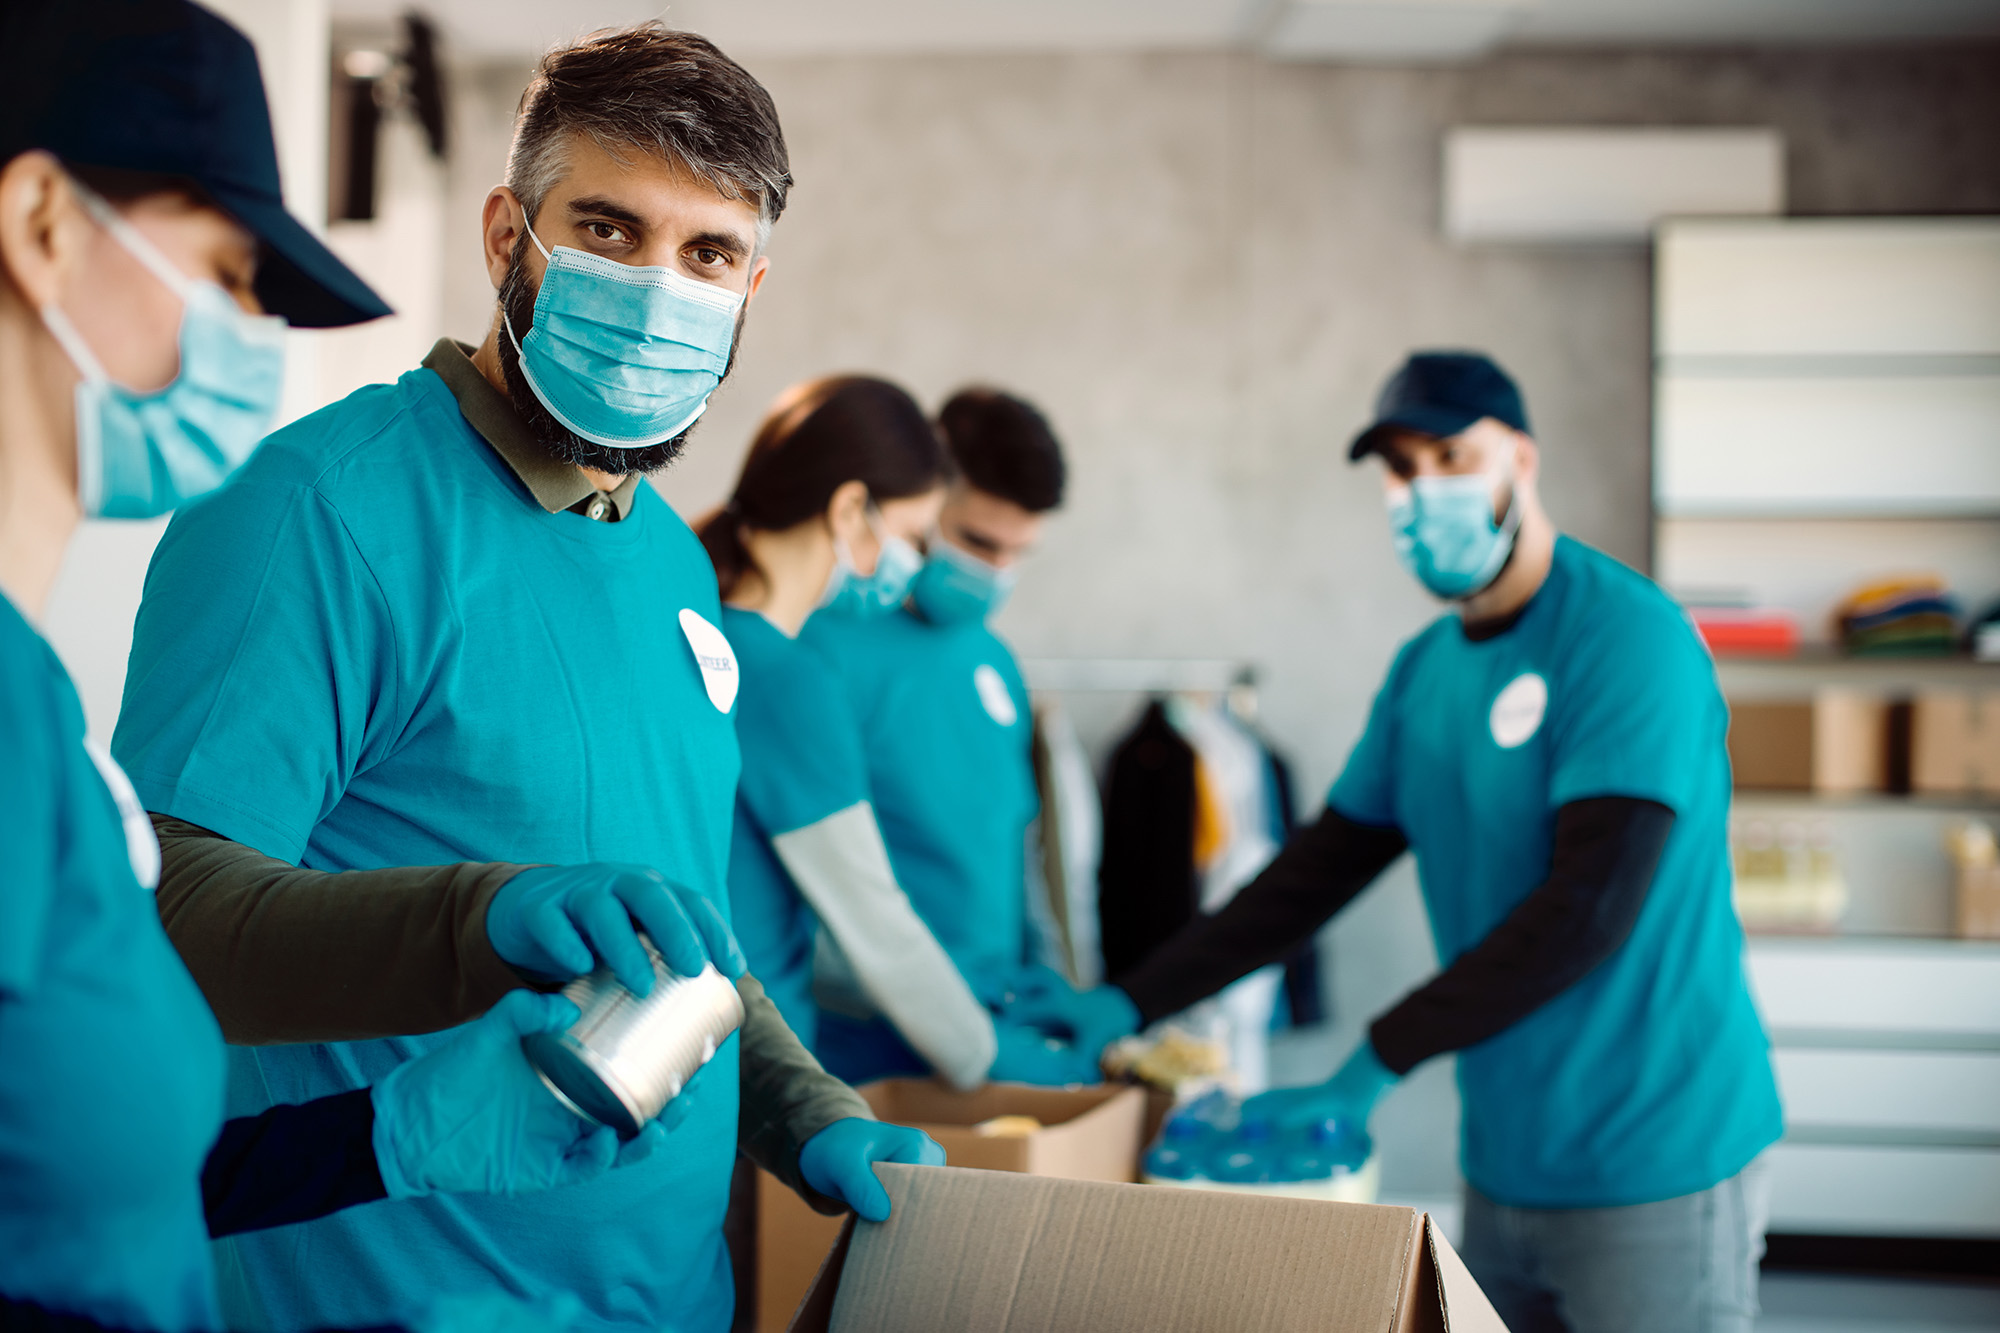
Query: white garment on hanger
column 1237, row 767
column 1073, row 812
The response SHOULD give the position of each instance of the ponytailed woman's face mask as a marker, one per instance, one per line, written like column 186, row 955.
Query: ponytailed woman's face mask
column 852, row 593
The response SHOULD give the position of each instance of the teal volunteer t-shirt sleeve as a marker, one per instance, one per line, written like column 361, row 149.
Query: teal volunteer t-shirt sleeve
column 1365, row 791
column 261, row 667
column 1634, row 710
column 29, row 706
column 802, row 753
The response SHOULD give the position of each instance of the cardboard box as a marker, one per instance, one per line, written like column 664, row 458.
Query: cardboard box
column 981, row 1252
column 1837, row 741
column 1088, row 1134
column 1955, row 743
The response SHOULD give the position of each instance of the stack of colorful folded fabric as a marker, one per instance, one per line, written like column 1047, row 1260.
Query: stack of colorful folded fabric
column 1913, row 616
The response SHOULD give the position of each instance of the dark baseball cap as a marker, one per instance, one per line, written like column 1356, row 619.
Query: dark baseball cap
column 166, row 87
column 1440, row 394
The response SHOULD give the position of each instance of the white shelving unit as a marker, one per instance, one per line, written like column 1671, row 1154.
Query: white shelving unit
column 1827, row 411
column 1888, row 1059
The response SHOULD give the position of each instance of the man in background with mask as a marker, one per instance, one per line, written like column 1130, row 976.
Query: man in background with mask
column 1552, row 753
column 946, row 724
column 440, row 624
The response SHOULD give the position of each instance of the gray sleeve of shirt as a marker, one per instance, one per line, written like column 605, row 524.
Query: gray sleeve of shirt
column 842, row 868
column 290, row 955
column 786, row 1097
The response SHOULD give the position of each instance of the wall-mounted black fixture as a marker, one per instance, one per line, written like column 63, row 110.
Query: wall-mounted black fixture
column 370, row 83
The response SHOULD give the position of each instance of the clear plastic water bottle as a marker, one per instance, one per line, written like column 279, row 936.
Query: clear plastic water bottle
column 1249, row 1156
column 1181, row 1151
column 1178, row 1153
column 1320, row 1150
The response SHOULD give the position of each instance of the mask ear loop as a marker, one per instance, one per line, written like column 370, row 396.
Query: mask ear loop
column 135, row 242
column 547, row 258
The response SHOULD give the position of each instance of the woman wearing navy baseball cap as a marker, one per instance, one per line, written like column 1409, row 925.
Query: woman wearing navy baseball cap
column 147, row 271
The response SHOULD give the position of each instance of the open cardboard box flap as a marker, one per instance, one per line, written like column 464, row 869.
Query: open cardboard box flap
column 995, row 1252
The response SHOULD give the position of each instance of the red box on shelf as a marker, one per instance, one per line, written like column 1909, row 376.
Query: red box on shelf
column 1746, row 631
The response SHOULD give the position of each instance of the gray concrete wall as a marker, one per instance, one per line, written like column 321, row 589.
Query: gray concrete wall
column 1202, row 266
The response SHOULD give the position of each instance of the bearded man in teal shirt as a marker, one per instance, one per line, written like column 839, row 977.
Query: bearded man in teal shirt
column 441, row 625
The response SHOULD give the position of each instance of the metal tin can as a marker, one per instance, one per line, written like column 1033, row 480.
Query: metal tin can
column 627, row 1057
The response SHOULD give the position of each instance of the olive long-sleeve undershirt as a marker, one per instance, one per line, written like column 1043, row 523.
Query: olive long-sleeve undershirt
column 290, row 955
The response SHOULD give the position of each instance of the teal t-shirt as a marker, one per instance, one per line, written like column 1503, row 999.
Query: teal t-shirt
column 373, row 648
column 949, row 739
column 1651, row 1077
column 802, row 761
column 111, row 1071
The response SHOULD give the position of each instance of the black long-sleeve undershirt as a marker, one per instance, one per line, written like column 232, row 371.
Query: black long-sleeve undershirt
column 18, row 1316
column 1605, row 852
column 292, row 1164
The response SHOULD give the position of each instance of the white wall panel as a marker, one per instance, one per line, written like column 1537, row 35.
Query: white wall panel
column 1886, row 986
column 1823, row 1188
column 1813, row 287
column 1828, row 445
column 1599, row 184
column 1943, row 1091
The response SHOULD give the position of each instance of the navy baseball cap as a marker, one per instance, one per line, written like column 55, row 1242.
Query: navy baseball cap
column 166, row 87
column 1440, row 394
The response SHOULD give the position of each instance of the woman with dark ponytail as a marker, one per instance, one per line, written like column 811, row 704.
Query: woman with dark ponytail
column 844, row 477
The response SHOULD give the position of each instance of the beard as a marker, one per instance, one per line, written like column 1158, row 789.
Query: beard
column 517, row 299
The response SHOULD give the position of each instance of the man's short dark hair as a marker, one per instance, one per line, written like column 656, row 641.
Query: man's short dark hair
column 1001, row 445
column 672, row 94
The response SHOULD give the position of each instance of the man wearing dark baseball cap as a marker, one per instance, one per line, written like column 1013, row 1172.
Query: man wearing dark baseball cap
column 1551, row 751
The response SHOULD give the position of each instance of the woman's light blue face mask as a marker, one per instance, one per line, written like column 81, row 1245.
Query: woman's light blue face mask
column 955, row 586
column 141, row 454
column 624, row 355
column 852, row 593
column 1445, row 534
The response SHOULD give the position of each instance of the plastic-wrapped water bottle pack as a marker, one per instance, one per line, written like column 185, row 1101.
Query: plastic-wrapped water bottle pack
column 1207, row 1143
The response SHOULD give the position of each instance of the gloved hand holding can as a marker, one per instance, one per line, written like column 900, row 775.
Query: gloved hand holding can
column 628, row 1056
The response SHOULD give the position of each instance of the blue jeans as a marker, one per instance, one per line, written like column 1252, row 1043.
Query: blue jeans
column 1685, row 1265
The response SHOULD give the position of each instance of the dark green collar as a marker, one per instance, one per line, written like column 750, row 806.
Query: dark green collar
column 555, row 485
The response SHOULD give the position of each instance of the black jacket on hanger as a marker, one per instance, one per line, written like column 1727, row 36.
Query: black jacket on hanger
column 1146, row 885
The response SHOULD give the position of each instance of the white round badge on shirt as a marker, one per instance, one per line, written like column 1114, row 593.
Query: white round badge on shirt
column 1517, row 710
column 715, row 657
column 993, row 694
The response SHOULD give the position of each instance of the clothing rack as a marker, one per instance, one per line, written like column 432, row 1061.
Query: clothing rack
column 1138, row 675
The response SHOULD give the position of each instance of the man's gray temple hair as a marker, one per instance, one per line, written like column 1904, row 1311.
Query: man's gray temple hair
column 654, row 90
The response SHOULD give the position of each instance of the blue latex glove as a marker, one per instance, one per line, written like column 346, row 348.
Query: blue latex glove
column 473, row 1116
column 497, row 1312
column 1029, row 1055
column 839, row 1161
column 1346, row 1100
column 1090, row 1019
column 553, row 923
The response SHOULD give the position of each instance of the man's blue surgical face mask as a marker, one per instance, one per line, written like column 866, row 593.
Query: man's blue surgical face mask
column 851, row 593
column 624, row 355
column 141, row 454
column 1445, row 534
column 955, row 586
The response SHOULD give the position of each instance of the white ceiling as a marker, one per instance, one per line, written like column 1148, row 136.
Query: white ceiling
column 1301, row 29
